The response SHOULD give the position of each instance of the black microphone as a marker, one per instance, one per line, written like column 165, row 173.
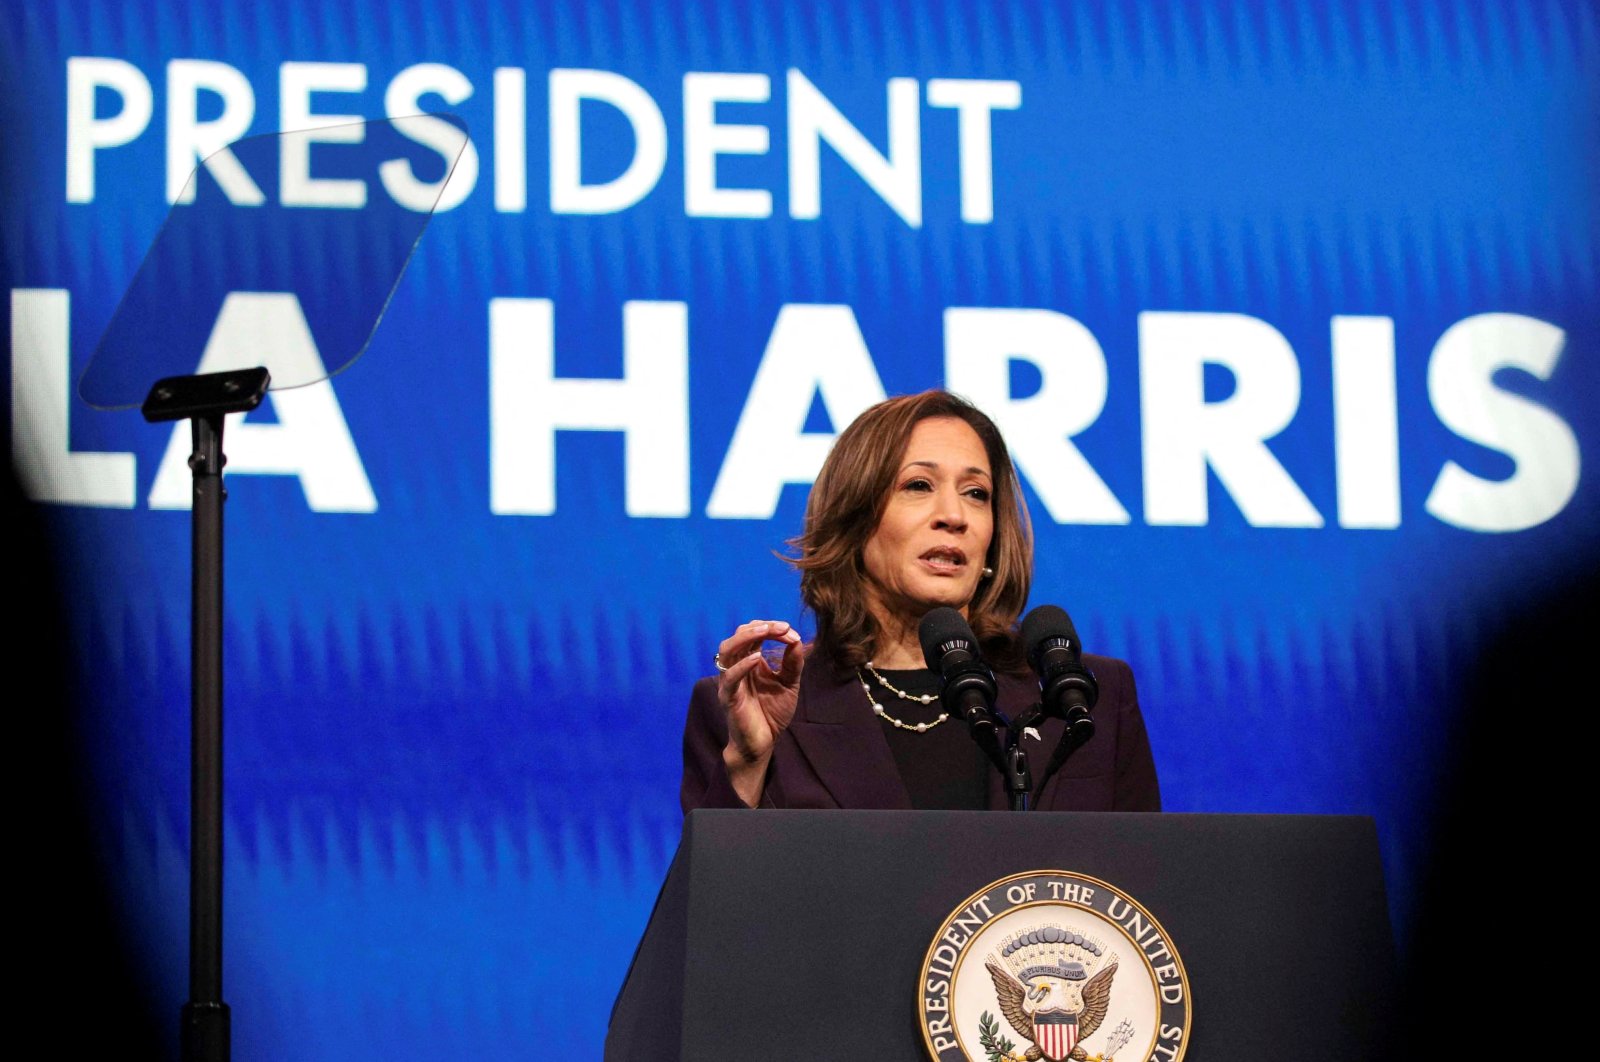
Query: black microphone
column 967, row 685
column 1068, row 689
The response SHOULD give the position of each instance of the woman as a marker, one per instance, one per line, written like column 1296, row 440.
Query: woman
column 917, row 506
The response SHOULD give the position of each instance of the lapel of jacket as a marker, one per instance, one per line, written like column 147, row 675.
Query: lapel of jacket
column 843, row 741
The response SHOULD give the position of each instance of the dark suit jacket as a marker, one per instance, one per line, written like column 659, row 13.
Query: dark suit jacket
column 834, row 754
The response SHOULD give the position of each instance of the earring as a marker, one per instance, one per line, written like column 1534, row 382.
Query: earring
column 988, row 572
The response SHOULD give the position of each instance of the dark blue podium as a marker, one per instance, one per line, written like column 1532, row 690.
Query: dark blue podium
column 800, row 934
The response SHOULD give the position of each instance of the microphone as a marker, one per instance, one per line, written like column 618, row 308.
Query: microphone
column 1068, row 690
column 967, row 685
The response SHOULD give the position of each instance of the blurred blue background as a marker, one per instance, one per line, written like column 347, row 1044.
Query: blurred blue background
column 426, row 857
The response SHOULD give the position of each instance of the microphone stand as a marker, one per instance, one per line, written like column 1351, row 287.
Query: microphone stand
column 1011, row 759
column 1016, row 771
column 1019, row 780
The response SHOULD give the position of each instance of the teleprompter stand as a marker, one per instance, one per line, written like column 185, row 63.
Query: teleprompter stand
column 204, row 401
column 235, row 292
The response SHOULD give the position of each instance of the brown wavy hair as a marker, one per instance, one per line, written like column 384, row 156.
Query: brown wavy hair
column 847, row 503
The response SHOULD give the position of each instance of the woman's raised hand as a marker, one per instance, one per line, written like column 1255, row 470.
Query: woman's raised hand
column 759, row 701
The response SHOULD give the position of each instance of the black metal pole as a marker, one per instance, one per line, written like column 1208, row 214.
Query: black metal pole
column 203, row 401
column 205, row 1024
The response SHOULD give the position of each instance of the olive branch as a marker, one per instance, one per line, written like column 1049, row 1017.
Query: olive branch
column 989, row 1038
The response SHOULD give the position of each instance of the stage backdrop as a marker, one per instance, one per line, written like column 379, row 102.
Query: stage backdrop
column 1287, row 311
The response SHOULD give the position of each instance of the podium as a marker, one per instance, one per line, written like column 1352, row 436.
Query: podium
column 802, row 934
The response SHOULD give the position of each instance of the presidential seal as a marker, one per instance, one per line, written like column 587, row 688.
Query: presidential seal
column 1055, row 965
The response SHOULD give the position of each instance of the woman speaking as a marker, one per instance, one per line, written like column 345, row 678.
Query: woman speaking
column 916, row 507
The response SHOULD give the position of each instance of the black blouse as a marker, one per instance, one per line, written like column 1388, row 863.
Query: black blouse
column 942, row 767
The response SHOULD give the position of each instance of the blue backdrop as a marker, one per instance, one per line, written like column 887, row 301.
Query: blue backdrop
column 1287, row 311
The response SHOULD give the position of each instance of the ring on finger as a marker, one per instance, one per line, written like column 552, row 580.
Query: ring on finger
column 724, row 668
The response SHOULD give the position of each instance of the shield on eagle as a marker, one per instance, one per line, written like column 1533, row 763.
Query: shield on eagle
column 1056, row 1033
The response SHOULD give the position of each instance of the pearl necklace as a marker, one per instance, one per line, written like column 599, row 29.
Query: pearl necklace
column 877, row 709
column 920, row 698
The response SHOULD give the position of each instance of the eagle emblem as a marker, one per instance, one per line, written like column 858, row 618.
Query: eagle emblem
column 1041, row 950
column 1053, row 986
